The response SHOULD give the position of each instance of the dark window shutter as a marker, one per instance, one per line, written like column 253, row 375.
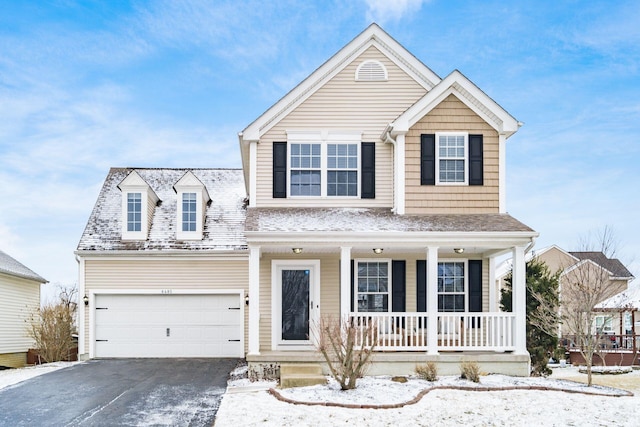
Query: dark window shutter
column 279, row 170
column 476, row 168
column 368, row 170
column 475, row 286
column 398, row 286
column 421, row 285
column 427, row 159
column 353, row 274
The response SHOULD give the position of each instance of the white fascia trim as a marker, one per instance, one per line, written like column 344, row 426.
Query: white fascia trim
column 372, row 36
column 583, row 262
column 445, row 88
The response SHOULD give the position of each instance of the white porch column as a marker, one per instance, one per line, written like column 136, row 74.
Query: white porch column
column 494, row 294
column 519, row 303
column 345, row 282
column 432, row 300
column 254, row 300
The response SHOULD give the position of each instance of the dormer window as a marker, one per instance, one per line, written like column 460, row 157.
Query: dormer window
column 192, row 203
column 138, row 204
column 134, row 211
column 189, row 210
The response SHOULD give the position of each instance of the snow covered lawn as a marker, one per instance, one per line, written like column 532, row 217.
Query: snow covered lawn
column 10, row 377
column 245, row 406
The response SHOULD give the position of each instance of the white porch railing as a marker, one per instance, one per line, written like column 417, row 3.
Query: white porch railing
column 456, row 331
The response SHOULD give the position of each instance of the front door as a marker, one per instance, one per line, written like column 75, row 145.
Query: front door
column 296, row 307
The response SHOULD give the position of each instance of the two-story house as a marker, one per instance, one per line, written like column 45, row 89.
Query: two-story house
column 375, row 191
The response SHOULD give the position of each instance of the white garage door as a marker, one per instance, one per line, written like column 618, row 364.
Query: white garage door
column 168, row 326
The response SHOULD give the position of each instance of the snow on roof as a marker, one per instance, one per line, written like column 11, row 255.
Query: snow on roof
column 372, row 220
column 9, row 265
column 629, row 298
column 223, row 225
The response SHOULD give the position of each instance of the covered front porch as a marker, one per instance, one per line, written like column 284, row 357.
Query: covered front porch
column 427, row 295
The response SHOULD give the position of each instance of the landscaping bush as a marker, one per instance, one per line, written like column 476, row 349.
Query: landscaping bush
column 428, row 371
column 470, row 371
column 337, row 341
column 51, row 327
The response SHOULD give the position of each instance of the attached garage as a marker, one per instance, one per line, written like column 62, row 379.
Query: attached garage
column 168, row 325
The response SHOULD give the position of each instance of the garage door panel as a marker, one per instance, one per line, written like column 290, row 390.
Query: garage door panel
column 168, row 326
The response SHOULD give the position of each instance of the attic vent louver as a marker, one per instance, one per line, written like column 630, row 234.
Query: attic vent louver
column 371, row 71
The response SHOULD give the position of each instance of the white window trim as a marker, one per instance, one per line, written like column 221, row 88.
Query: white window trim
column 466, row 284
column 277, row 265
column 466, row 157
column 324, row 138
column 355, row 282
column 190, row 235
column 144, row 214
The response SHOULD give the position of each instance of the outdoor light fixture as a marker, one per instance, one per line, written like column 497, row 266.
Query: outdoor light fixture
column 458, row 250
column 86, row 300
column 246, row 299
column 296, row 250
column 377, row 250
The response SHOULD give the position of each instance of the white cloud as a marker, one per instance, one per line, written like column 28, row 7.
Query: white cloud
column 382, row 11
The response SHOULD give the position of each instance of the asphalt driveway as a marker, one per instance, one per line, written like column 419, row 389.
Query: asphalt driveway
column 120, row 392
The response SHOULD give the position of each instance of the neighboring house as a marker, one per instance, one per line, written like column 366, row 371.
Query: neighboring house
column 569, row 263
column 20, row 290
column 375, row 192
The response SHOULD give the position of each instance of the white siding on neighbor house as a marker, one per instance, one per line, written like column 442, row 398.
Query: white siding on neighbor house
column 345, row 104
column 19, row 298
column 168, row 273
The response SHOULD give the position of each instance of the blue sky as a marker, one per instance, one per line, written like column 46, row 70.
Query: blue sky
column 87, row 85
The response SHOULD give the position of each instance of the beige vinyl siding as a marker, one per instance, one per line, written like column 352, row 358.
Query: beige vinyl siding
column 174, row 274
column 151, row 207
column 449, row 116
column 330, row 286
column 345, row 104
column 19, row 298
column 13, row 360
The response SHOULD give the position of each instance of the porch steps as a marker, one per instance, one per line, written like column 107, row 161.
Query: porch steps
column 301, row 375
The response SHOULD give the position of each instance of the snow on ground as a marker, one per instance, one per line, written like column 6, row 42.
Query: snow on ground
column 244, row 406
column 10, row 377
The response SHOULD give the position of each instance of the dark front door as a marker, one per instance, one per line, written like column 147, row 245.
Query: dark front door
column 295, row 305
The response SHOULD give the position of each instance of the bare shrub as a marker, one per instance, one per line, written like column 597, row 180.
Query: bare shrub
column 470, row 370
column 347, row 349
column 51, row 327
column 428, row 371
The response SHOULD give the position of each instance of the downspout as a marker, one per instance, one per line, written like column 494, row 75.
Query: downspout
column 398, row 168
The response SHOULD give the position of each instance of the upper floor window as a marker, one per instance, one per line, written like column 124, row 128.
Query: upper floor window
column 373, row 286
column 451, row 158
column 189, row 209
column 342, row 170
column 138, row 205
column 451, row 286
column 306, row 170
column 134, row 211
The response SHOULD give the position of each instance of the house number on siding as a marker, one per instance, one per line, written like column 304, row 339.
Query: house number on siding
column 166, row 291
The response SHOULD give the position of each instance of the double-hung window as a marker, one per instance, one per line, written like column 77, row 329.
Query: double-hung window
column 451, row 149
column 373, row 286
column 451, row 286
column 342, row 169
column 134, row 211
column 324, row 164
column 306, row 169
column 189, row 210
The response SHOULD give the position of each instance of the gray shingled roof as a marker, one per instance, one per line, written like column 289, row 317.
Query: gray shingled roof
column 612, row 264
column 9, row 265
column 363, row 220
column 224, row 221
